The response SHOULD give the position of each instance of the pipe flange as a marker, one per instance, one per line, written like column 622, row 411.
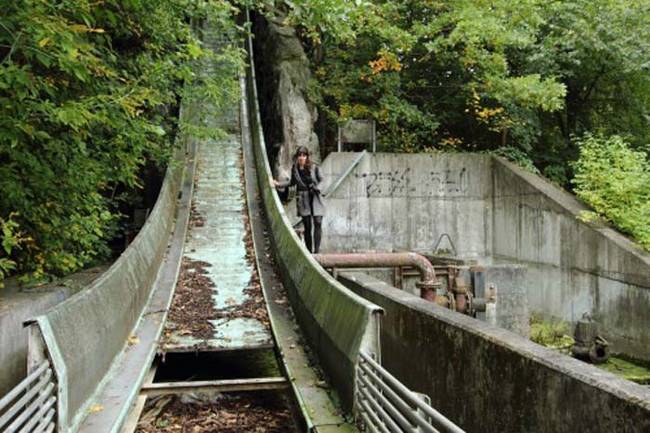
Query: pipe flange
column 428, row 289
column 428, row 285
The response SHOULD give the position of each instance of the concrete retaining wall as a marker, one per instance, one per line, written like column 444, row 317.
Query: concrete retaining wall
column 337, row 323
column 487, row 379
column 495, row 212
column 85, row 333
column 573, row 267
column 399, row 202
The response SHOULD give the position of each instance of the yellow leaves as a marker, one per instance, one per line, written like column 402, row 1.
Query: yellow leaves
column 134, row 103
column 451, row 142
column 131, row 107
column 353, row 111
column 496, row 118
column 78, row 28
column 320, row 72
column 43, row 42
column 96, row 408
column 81, row 28
column 486, row 113
column 386, row 61
column 132, row 340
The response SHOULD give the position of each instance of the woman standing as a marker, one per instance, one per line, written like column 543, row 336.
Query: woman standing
column 307, row 179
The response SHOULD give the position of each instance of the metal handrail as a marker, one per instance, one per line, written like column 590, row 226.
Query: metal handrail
column 11, row 395
column 386, row 405
column 332, row 187
column 31, row 405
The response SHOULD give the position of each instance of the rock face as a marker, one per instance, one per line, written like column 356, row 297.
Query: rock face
column 283, row 76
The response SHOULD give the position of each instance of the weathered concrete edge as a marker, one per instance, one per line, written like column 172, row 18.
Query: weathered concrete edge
column 164, row 208
column 148, row 329
column 247, row 145
column 297, row 365
column 571, row 205
column 599, row 380
column 310, row 282
column 58, row 365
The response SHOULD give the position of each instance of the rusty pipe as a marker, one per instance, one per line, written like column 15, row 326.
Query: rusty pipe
column 428, row 281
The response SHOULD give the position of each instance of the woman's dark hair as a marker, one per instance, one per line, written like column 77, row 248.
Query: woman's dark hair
column 302, row 150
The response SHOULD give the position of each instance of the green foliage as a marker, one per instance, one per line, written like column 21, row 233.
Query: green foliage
column 517, row 156
column 10, row 238
column 629, row 369
column 519, row 79
column 615, row 181
column 600, row 50
column 551, row 333
column 479, row 75
column 88, row 94
column 441, row 75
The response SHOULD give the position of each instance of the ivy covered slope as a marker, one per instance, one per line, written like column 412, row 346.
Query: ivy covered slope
column 89, row 93
column 525, row 79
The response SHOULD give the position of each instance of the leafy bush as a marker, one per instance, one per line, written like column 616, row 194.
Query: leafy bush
column 88, row 95
column 517, row 156
column 615, row 180
column 10, row 238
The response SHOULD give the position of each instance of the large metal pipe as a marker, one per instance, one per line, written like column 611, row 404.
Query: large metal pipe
column 428, row 282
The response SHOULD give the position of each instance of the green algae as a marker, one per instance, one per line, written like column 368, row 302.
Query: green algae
column 628, row 368
column 554, row 334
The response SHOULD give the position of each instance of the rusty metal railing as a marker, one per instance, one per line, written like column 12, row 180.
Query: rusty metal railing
column 385, row 405
column 30, row 406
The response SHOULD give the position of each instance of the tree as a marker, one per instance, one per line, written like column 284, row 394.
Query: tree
column 600, row 50
column 439, row 74
column 87, row 96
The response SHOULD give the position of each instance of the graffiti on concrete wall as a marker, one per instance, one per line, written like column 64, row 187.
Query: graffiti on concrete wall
column 405, row 182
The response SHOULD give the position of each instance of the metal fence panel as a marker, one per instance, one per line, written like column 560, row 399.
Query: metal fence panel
column 30, row 406
column 384, row 404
